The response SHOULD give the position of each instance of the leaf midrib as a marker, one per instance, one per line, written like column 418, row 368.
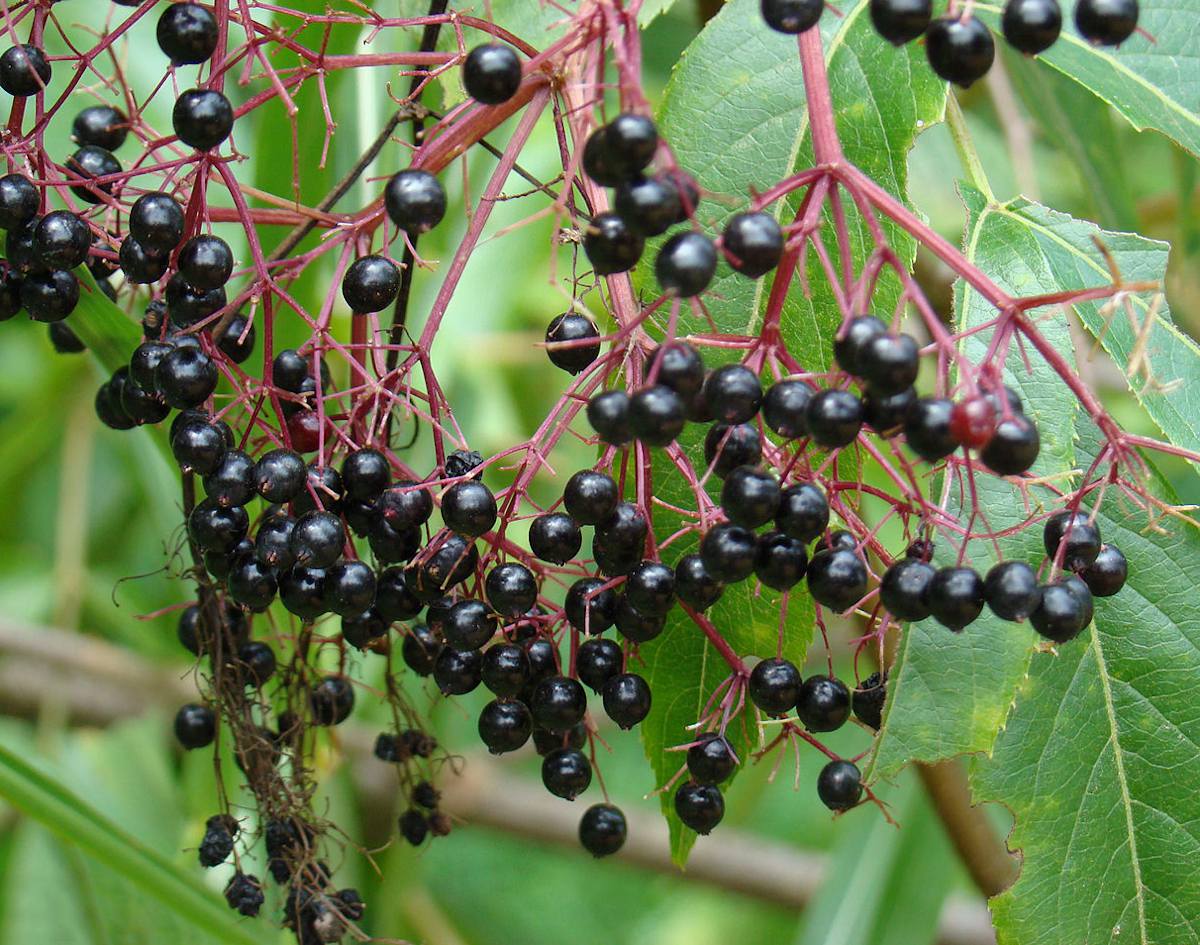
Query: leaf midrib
column 1122, row 781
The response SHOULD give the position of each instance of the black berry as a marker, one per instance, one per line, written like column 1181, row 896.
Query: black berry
column 711, row 760
column 511, row 589
column 774, row 686
column 602, row 830
column 750, row 496
column 469, row 508
column 868, row 700
column 904, row 587
column 792, row 16
column 202, row 118
column 927, row 428
column 959, row 51
column 1106, row 575
column 685, row 264
column 566, row 773
column 492, row 73
column 694, row 585
column 588, row 608
column 823, row 704
column 803, row 512
column 901, row 21
column 1031, row 26
column 955, row 597
column 555, row 537
column 608, row 414
column 100, row 126
column 648, row 204
column 590, row 496
column 699, row 806
column 1011, row 590
column 837, row 578
column 784, row 408
column 611, row 244
column 728, row 552
column 195, row 726
column 1062, row 612
column 1104, row 22
column 187, row 33
column 834, row 418
column 627, row 699
column 727, row 447
column 572, row 342
column 839, row 785
column 1072, row 534
column 597, row 661
column 656, row 415
column 505, row 725
column 733, row 393
column 753, row 242
column 24, row 70
column 558, row 703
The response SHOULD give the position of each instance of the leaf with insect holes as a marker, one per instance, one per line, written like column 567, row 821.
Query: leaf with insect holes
column 1099, row 762
column 1150, row 79
column 734, row 113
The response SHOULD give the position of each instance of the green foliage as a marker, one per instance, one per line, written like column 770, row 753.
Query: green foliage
column 1097, row 755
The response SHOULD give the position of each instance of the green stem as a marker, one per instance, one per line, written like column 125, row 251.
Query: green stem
column 965, row 147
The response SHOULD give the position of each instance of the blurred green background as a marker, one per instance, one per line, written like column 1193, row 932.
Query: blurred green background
column 93, row 515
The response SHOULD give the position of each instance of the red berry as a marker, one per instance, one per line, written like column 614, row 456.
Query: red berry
column 973, row 421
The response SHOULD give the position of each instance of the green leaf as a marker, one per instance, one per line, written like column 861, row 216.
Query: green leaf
column 110, row 335
column 1172, row 397
column 1152, row 82
column 1083, row 127
column 884, row 884
column 735, row 116
column 949, row 693
column 1099, row 759
column 74, row 821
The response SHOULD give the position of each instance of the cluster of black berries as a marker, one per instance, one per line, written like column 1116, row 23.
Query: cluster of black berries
column 912, row 589
column 960, row 48
column 645, row 204
column 40, row 250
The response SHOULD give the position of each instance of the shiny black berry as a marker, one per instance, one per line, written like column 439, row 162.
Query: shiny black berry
column 726, row 447
column 955, row 597
column 187, row 33
column 823, row 704
column 627, row 699
column 728, row 552
column 317, row 539
column 750, row 496
column 733, row 393
column 774, row 686
column 834, row 418
column 457, row 672
column 505, row 725
column 627, row 145
column 24, row 70
column 852, row 337
column 699, row 806
column 677, row 365
column 1076, row 537
column 186, row 377
column 566, row 773
column 91, row 165
column 1011, row 590
column 365, row 474
column 904, row 587
column 784, row 408
column 1106, row 22
column 602, row 830
column 650, row 205
column 636, row 626
column 195, row 726
column 959, row 51
column 611, row 244
column 803, row 512
column 1106, row 575
column 206, row 262
column 371, row 284
column 837, row 578
column 331, row 701
column 50, row 296
column 555, row 537
column 492, row 73
column 753, row 242
column 590, row 609
column 886, row 415
column 927, row 428
column 156, row 221
column 349, row 588
column 711, row 760
column 694, row 585
column 590, row 496
column 302, row 591
column 608, row 414
column 558, row 703
column 511, row 589
column 139, row 265
column 839, row 785
column 792, row 16
column 572, row 342
column 889, row 363
column 61, row 239
column 650, row 588
column 202, row 118
column 280, row 475
column 1062, row 611
column 685, row 264
column 19, row 201
column 1031, row 26
column 415, row 200
column 901, row 21
column 252, row 584
column 100, row 126
column 597, row 661
column 656, row 415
